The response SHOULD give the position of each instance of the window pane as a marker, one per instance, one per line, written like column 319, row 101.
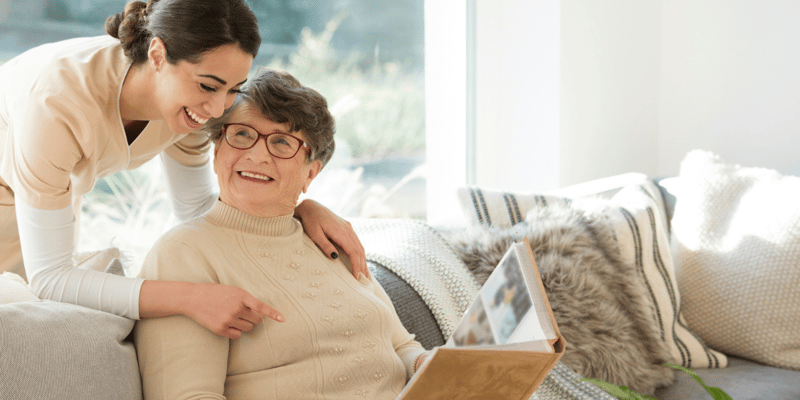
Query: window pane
column 365, row 56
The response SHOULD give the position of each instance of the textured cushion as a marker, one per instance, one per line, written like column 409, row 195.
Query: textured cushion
column 412, row 310
column 14, row 289
column 419, row 256
column 601, row 306
column 110, row 260
column 640, row 228
column 736, row 238
column 53, row 350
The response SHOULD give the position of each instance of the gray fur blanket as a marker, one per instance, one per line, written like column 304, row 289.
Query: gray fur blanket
column 599, row 302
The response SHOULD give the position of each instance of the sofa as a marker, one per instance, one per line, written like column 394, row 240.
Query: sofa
column 732, row 237
column 60, row 351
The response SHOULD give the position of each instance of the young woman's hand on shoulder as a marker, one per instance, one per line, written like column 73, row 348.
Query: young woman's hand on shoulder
column 322, row 226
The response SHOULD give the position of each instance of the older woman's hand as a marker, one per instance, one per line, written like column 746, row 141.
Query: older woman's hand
column 321, row 224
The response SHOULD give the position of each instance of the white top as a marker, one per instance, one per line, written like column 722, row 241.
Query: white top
column 61, row 130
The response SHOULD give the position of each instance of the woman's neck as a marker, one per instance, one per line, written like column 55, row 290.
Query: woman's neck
column 137, row 98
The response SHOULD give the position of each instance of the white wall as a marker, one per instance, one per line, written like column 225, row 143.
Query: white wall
column 730, row 82
column 609, row 88
column 574, row 90
column 445, row 99
column 515, row 114
column 517, row 123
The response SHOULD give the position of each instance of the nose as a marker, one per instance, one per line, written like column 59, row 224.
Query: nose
column 229, row 100
column 259, row 151
column 217, row 105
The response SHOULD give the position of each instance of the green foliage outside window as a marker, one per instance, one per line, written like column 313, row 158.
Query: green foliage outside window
column 379, row 108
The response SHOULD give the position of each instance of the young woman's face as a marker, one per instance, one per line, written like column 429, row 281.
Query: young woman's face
column 187, row 94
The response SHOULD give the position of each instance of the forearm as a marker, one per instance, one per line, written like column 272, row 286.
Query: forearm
column 410, row 356
column 164, row 298
column 191, row 188
column 46, row 238
column 405, row 345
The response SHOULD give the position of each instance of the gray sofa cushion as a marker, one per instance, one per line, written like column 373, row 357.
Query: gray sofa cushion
column 741, row 379
column 415, row 315
column 53, row 350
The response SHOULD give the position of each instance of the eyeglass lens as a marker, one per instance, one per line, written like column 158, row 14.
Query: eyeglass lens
column 280, row 145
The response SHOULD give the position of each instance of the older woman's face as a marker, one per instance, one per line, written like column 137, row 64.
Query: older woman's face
column 253, row 180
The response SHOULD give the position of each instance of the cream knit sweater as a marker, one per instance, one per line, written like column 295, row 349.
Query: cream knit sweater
column 342, row 338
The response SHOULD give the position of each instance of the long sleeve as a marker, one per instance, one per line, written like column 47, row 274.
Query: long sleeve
column 178, row 358
column 405, row 345
column 46, row 238
column 192, row 188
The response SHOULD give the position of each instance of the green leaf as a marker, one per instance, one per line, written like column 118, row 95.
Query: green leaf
column 620, row 392
column 688, row 371
column 715, row 392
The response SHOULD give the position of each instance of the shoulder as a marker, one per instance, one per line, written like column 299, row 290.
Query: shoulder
column 184, row 252
column 67, row 68
column 192, row 233
column 52, row 59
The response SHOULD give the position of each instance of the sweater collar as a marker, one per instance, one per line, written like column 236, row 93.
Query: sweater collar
column 231, row 217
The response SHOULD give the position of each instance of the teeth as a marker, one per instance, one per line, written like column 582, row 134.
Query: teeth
column 194, row 117
column 251, row 175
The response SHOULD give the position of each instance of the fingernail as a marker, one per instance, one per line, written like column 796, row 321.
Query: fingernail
column 281, row 318
column 334, row 255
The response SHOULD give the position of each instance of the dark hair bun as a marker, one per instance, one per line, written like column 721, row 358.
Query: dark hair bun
column 129, row 27
column 188, row 28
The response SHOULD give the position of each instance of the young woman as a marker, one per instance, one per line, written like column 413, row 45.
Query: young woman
column 74, row 111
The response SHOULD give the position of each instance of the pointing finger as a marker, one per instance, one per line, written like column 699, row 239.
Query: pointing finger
column 263, row 309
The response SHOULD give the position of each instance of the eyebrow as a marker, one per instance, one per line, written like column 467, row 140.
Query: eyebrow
column 222, row 81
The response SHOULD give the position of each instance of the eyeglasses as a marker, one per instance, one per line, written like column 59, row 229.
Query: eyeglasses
column 280, row 145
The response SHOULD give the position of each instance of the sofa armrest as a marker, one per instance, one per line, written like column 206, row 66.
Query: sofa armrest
column 669, row 191
column 603, row 187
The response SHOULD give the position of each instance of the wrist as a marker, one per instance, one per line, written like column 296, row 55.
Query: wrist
column 164, row 298
column 417, row 360
column 298, row 210
column 183, row 297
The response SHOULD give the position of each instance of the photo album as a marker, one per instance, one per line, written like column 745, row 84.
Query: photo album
column 505, row 344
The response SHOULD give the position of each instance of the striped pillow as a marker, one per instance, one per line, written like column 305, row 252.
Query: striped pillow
column 636, row 215
column 498, row 208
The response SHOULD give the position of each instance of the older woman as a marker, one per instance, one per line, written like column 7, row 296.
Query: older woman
column 341, row 337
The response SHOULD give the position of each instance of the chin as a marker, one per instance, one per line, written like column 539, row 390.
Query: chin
column 179, row 128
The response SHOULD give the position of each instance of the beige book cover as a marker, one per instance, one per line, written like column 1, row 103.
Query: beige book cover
column 504, row 346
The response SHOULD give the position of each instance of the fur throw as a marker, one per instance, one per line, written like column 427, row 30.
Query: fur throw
column 599, row 303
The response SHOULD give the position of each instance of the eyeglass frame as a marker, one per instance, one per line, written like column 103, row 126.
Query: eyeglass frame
column 303, row 143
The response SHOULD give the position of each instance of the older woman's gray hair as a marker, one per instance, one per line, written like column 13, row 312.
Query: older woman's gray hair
column 281, row 98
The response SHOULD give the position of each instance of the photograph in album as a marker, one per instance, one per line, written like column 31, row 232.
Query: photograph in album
column 505, row 344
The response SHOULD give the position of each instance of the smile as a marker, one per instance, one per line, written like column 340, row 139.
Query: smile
column 194, row 117
column 255, row 176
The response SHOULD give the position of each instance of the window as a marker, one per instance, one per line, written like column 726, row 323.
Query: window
column 364, row 56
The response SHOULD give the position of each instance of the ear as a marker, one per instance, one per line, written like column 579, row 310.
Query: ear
column 157, row 53
column 217, row 144
column 313, row 171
